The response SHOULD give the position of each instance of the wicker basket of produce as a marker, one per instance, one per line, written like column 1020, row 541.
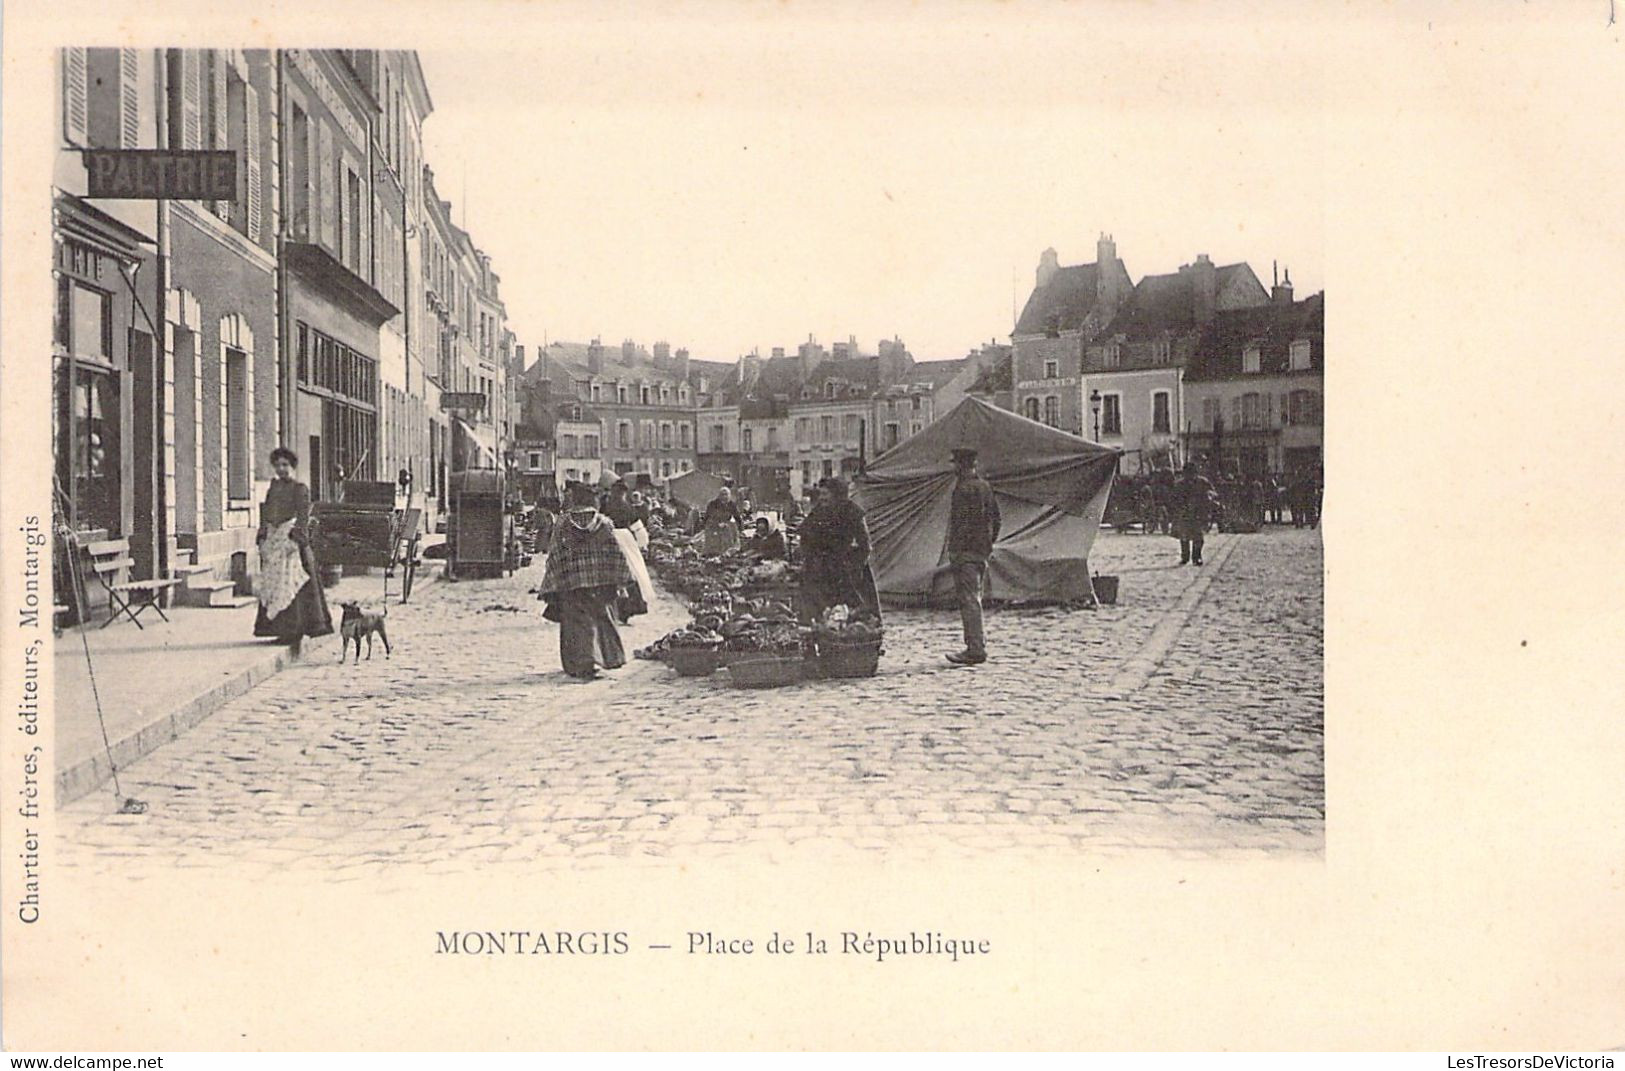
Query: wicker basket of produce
column 694, row 661
column 849, row 658
column 757, row 670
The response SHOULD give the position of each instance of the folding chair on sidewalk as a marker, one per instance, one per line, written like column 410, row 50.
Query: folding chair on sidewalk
column 128, row 598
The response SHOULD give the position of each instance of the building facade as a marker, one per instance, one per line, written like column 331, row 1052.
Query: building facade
column 306, row 310
column 1256, row 385
column 1133, row 381
column 1068, row 307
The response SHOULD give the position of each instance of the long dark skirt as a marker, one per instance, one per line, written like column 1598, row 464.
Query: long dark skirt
column 587, row 636
column 307, row 615
column 828, row 584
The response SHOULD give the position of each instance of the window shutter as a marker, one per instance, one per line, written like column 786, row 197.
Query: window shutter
column 1268, row 404
column 325, row 181
column 219, row 136
column 313, row 167
column 251, row 134
column 1286, row 409
column 76, row 95
column 1235, row 411
column 192, row 98
column 129, row 103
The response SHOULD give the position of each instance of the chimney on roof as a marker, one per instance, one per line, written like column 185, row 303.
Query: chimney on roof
column 1109, row 277
column 679, row 363
column 778, row 352
column 1204, row 287
column 662, row 354
column 595, row 356
column 808, row 356
column 1048, row 264
column 629, row 351
column 1281, row 293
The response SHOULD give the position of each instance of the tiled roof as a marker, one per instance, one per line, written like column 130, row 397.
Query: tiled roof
column 1274, row 327
column 1064, row 303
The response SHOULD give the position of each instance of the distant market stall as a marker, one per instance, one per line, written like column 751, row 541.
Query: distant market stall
column 1051, row 488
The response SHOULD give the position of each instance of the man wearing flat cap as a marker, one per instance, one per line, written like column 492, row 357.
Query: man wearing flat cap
column 973, row 526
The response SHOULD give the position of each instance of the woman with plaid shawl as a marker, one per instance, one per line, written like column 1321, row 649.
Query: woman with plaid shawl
column 585, row 572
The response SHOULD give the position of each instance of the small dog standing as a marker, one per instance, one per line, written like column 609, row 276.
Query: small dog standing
column 355, row 624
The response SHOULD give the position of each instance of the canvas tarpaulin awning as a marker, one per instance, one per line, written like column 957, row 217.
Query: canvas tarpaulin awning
column 1051, row 488
column 694, row 489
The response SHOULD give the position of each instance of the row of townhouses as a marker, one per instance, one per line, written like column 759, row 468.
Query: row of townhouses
column 1199, row 362
column 1185, row 364
column 774, row 424
column 331, row 305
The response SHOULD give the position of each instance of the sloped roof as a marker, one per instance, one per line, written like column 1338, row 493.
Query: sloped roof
column 1065, row 302
column 936, row 373
column 1274, row 327
column 568, row 361
column 1165, row 303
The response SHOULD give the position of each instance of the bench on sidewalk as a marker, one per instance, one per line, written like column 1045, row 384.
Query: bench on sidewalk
column 129, row 598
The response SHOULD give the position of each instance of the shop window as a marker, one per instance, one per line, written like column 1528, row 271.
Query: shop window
column 90, row 322
column 88, row 448
column 239, row 451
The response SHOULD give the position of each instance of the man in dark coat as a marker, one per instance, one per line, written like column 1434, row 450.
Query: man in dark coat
column 1194, row 501
column 973, row 527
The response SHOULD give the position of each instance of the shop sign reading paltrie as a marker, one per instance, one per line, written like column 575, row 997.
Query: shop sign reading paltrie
column 162, row 174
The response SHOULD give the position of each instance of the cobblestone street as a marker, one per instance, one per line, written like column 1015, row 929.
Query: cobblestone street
column 1186, row 719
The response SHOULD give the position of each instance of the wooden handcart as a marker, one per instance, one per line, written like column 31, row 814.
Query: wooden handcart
column 365, row 528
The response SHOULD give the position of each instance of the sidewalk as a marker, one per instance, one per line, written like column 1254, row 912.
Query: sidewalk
column 158, row 681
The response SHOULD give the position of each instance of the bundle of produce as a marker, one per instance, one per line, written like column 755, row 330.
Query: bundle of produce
column 746, row 634
column 687, row 638
column 844, row 624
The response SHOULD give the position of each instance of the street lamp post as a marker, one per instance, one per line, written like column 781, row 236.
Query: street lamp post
column 1094, row 404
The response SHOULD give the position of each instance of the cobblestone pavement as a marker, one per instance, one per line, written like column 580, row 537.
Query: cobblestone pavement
column 1186, row 719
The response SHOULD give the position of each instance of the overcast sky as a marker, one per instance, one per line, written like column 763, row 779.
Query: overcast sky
column 742, row 182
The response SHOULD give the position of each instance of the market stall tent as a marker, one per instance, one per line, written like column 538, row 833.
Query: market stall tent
column 1051, row 488
column 694, row 489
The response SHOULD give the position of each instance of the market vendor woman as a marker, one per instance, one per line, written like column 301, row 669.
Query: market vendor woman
column 835, row 555
column 586, row 571
column 292, row 605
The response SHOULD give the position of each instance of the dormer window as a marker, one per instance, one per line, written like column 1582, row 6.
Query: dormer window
column 1161, row 350
column 1300, row 355
column 1112, row 355
column 595, row 392
column 1251, row 360
column 620, row 393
